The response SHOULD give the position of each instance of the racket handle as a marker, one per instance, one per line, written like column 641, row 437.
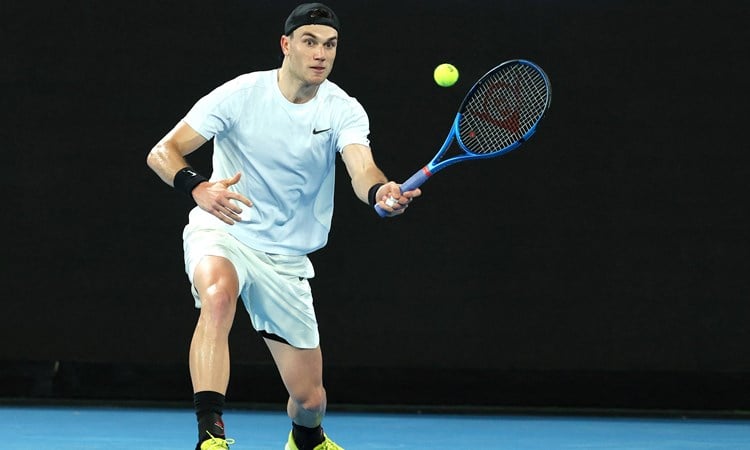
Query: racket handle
column 381, row 212
column 416, row 180
column 412, row 183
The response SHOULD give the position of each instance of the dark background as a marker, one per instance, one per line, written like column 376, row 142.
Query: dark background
column 604, row 264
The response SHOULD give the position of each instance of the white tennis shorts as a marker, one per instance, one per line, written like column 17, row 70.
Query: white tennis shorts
column 273, row 288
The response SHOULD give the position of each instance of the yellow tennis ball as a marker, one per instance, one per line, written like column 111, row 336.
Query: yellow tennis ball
column 445, row 75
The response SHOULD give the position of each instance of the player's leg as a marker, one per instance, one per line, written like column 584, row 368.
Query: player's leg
column 216, row 282
column 302, row 373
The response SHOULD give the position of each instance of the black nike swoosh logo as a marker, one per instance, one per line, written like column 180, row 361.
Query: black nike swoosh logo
column 320, row 131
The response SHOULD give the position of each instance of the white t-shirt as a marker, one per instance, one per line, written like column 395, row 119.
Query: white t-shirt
column 286, row 154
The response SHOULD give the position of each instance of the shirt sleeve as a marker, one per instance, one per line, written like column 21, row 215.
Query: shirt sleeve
column 216, row 112
column 355, row 126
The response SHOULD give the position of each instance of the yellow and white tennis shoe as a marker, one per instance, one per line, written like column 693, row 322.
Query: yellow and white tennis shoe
column 328, row 444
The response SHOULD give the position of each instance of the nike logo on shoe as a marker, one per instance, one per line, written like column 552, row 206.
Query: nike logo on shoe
column 320, row 131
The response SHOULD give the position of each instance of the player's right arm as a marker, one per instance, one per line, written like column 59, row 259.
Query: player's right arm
column 168, row 155
column 167, row 158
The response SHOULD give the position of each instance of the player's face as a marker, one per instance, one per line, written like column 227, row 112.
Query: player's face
column 310, row 52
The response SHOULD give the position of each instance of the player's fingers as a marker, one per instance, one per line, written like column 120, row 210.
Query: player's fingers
column 221, row 216
column 240, row 198
column 401, row 202
column 396, row 207
column 228, row 214
column 232, row 215
column 230, row 207
column 232, row 180
column 413, row 193
column 398, row 211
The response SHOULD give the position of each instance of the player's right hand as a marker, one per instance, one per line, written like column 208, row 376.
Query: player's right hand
column 393, row 201
column 217, row 199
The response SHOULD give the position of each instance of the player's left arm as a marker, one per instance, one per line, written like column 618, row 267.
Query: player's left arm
column 365, row 174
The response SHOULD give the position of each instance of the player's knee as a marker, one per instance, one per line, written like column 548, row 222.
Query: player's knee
column 218, row 302
column 313, row 399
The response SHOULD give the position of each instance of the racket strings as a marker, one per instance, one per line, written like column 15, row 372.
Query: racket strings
column 503, row 109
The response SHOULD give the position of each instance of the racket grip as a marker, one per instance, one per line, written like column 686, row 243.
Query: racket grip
column 412, row 183
column 416, row 180
column 381, row 212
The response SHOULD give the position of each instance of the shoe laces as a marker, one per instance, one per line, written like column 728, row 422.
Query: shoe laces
column 219, row 443
column 328, row 445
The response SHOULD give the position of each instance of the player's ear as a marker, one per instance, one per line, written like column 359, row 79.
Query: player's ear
column 284, row 45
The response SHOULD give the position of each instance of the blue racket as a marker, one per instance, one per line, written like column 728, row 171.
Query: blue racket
column 499, row 113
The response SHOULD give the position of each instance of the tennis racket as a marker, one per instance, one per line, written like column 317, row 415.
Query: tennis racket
column 499, row 113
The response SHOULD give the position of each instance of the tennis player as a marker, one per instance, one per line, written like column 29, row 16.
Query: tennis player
column 266, row 206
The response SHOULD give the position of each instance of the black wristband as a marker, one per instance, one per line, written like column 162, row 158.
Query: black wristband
column 186, row 179
column 372, row 192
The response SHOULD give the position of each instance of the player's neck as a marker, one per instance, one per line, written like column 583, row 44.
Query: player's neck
column 293, row 89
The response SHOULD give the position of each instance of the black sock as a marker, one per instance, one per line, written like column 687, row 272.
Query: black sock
column 307, row 438
column 209, row 407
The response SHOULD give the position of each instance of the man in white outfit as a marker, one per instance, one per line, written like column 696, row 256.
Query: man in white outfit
column 266, row 206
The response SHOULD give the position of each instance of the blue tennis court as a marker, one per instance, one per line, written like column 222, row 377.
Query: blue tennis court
column 112, row 428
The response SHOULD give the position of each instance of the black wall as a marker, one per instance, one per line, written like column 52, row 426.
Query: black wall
column 615, row 242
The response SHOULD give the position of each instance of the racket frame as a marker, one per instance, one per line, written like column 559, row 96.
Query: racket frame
column 435, row 165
